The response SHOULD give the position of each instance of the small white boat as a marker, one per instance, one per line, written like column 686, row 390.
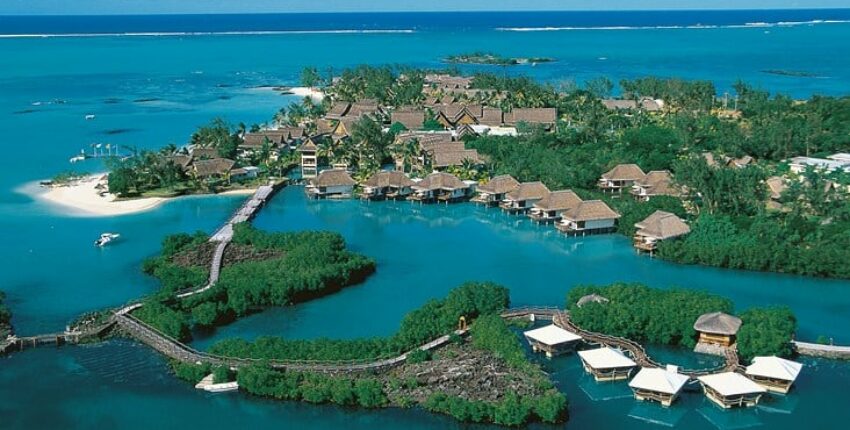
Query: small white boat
column 90, row 116
column 76, row 158
column 106, row 238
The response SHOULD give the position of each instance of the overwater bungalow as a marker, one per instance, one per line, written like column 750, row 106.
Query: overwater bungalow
column 441, row 187
column 658, row 385
column 730, row 389
column 495, row 190
column 774, row 373
column 659, row 226
column 333, row 183
column 552, row 340
column 654, row 183
column 524, row 197
column 387, row 185
column 621, row 177
column 550, row 207
column 588, row 217
column 607, row 364
column 309, row 159
column 717, row 328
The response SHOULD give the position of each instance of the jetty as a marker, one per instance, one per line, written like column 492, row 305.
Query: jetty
column 823, row 351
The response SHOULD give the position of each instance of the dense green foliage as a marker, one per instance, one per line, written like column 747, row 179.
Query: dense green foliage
column 641, row 313
column 491, row 333
column 434, row 319
column 5, row 315
column 513, row 410
column 766, row 331
column 301, row 266
column 314, row 388
column 189, row 372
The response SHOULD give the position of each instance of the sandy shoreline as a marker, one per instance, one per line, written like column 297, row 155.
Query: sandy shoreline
column 313, row 93
column 84, row 199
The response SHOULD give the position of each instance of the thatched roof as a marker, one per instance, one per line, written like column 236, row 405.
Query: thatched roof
column 455, row 158
column 363, row 107
column 532, row 116
column 718, row 323
column 332, row 178
column 213, row 166
column 491, row 116
column 614, row 104
column 558, row 201
column 590, row 210
column 393, row 178
column 500, row 185
column 529, row 191
column 440, row 181
column 437, row 147
column 776, row 185
column 308, row 145
column 662, row 225
column 591, row 298
column 410, row 119
column 658, row 183
column 199, row 153
column 338, row 110
column 179, row 160
column 425, row 138
column 624, row 172
column 256, row 140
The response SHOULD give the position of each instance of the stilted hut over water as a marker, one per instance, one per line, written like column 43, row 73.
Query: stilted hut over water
column 717, row 328
column 441, row 187
column 333, row 183
column 607, row 364
column 658, row 385
column 774, row 373
column 552, row 340
column 495, row 190
column 588, row 217
column 550, row 207
column 657, row 227
column 387, row 185
column 522, row 198
column 731, row 389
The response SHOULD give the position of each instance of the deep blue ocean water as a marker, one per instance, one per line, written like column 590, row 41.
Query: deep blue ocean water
column 147, row 91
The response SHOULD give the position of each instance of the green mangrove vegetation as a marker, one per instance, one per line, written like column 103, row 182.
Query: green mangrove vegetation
column 432, row 320
column 491, row 59
column 667, row 317
column 5, row 317
column 259, row 270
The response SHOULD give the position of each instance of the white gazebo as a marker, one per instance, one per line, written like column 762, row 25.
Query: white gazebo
column 730, row 389
column 660, row 385
column 607, row 364
column 552, row 340
column 774, row 373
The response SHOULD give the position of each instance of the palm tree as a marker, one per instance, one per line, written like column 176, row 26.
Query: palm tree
column 406, row 151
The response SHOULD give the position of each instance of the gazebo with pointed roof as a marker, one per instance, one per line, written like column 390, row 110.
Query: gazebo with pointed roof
column 717, row 328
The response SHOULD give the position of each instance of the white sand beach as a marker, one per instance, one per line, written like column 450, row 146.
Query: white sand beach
column 83, row 198
column 314, row 93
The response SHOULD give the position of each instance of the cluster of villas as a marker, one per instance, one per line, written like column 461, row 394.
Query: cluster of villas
column 743, row 387
column 206, row 164
column 563, row 209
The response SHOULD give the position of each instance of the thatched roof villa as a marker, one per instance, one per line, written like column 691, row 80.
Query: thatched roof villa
column 622, row 176
column 774, row 373
column 588, row 217
column 654, row 183
column 387, row 184
column 659, row 385
column 494, row 191
column 607, row 364
column 730, row 389
column 659, row 226
column 333, row 183
column 552, row 340
column 522, row 198
column 717, row 328
column 549, row 208
column 440, row 186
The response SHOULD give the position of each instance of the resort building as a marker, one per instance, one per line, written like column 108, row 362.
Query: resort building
column 621, row 177
column 654, row 183
column 607, row 364
column 495, row 190
column 800, row 164
column 717, row 328
column 552, row 340
column 524, row 197
column 333, row 183
column 588, row 217
column 645, row 103
column 309, row 159
column 774, row 373
column 212, row 168
column 442, row 187
column 491, row 116
column 203, row 153
column 410, row 118
column 550, row 207
column 254, row 142
column 730, row 389
column 658, row 385
column 242, row 173
column 545, row 117
column 387, row 185
column 441, row 159
column 657, row 227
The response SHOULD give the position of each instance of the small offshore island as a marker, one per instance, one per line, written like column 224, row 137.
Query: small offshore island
column 494, row 59
column 688, row 177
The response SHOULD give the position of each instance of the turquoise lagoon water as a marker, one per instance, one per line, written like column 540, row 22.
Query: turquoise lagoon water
column 148, row 91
